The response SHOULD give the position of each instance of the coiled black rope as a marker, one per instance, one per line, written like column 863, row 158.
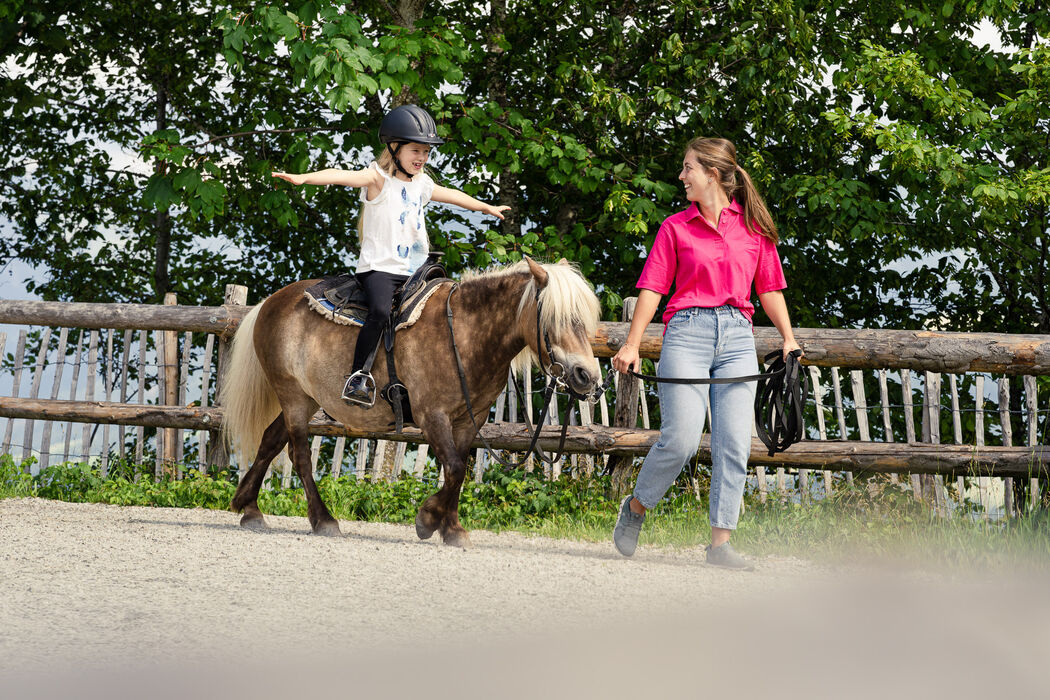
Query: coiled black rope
column 779, row 402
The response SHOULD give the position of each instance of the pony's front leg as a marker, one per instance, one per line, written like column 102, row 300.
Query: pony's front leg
column 440, row 512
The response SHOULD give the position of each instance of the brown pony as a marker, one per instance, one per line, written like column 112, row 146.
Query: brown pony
column 288, row 360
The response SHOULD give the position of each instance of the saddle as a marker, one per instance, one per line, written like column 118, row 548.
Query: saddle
column 340, row 299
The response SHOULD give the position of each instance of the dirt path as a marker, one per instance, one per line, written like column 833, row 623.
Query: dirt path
column 115, row 592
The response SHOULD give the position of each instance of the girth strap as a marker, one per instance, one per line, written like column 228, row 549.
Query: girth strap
column 395, row 392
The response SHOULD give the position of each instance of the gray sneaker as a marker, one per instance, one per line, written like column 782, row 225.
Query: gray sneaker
column 628, row 526
column 726, row 557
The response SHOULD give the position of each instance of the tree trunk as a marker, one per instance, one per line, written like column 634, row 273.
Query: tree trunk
column 162, row 222
column 406, row 14
column 1021, row 486
column 162, row 226
column 497, row 87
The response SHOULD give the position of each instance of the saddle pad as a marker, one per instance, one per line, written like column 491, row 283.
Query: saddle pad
column 352, row 311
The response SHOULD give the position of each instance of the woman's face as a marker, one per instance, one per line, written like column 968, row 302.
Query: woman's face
column 413, row 157
column 697, row 179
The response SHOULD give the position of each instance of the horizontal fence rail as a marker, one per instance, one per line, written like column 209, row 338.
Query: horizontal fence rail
column 935, row 351
column 838, row 456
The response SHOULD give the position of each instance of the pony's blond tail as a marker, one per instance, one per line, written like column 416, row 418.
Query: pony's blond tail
column 249, row 404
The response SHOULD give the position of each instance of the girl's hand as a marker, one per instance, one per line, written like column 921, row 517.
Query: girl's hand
column 790, row 345
column 289, row 177
column 496, row 211
column 627, row 359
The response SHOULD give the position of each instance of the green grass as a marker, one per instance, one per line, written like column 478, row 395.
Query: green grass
column 874, row 522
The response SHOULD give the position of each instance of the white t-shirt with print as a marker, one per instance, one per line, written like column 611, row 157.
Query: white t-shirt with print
column 395, row 235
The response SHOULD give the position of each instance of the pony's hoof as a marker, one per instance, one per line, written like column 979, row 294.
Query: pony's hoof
column 328, row 529
column 457, row 538
column 423, row 530
column 254, row 522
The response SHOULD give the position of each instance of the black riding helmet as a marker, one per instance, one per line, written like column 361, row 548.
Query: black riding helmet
column 408, row 123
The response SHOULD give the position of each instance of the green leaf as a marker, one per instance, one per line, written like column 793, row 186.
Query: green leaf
column 187, row 179
column 367, row 83
column 284, row 25
column 318, row 65
column 397, row 63
column 159, row 193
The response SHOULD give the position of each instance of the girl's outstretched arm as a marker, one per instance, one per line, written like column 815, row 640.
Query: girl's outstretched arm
column 460, row 199
column 333, row 176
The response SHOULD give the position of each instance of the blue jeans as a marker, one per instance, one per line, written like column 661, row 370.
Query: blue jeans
column 704, row 342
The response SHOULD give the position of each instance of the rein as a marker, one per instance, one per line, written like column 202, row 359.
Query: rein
column 548, row 394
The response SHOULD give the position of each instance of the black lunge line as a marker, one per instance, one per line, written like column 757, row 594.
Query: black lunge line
column 779, row 399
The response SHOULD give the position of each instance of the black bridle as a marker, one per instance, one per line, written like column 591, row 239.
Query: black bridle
column 557, row 381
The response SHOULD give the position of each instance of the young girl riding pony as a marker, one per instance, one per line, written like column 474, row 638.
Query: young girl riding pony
column 393, row 235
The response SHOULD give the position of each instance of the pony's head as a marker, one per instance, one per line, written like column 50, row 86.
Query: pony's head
column 560, row 339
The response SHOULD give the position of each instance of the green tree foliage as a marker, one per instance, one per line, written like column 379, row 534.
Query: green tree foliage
column 967, row 147
column 904, row 163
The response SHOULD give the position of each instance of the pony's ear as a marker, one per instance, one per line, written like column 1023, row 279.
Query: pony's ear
column 537, row 271
column 563, row 261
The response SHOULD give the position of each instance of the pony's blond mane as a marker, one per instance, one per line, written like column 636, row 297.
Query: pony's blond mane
column 567, row 301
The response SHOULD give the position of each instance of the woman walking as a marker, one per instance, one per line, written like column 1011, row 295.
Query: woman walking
column 712, row 253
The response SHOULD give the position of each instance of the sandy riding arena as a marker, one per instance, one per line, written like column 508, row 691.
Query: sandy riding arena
column 104, row 599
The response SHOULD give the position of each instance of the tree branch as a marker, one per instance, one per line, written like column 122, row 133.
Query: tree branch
column 265, row 131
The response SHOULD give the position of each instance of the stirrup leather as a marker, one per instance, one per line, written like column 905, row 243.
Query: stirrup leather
column 369, row 387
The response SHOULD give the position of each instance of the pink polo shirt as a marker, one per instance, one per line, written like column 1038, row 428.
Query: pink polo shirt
column 710, row 267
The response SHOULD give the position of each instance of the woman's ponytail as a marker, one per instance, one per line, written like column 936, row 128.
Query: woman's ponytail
column 755, row 212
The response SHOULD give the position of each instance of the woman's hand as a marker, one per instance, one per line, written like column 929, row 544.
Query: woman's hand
column 290, row 177
column 627, row 359
column 789, row 346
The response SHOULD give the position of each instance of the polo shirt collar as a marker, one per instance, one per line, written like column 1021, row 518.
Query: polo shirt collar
column 694, row 209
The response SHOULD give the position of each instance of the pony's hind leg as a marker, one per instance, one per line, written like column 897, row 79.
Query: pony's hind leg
column 246, row 498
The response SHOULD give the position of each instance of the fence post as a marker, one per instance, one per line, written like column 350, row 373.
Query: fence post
column 236, row 295
column 625, row 416
column 168, row 355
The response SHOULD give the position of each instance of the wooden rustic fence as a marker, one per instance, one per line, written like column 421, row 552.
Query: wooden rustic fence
column 140, row 382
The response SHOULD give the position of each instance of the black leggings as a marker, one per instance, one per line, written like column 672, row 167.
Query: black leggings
column 379, row 288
